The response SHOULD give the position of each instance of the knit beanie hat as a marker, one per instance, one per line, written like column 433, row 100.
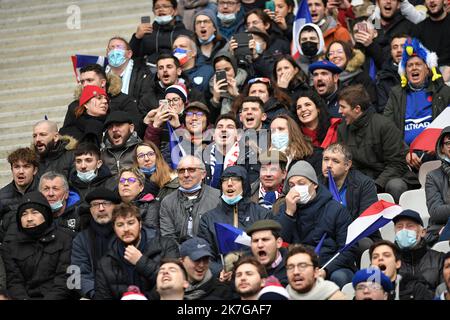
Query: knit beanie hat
column 89, row 92
column 210, row 14
column 133, row 293
column 178, row 89
column 37, row 201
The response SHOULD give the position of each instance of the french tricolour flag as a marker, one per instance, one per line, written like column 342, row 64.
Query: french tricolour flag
column 302, row 17
column 79, row 61
column 230, row 238
column 426, row 140
column 372, row 219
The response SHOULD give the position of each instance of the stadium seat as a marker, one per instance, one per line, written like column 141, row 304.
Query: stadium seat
column 365, row 260
column 388, row 232
column 427, row 167
column 348, row 290
column 386, row 197
column 442, row 246
column 416, row 200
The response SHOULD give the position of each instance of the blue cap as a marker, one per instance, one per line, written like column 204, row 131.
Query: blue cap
column 409, row 214
column 373, row 275
column 195, row 248
column 324, row 64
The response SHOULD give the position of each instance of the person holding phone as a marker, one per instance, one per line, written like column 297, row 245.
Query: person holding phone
column 283, row 15
column 224, row 90
column 153, row 39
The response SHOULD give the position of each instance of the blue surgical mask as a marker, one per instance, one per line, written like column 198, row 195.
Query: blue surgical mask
column 406, row 238
column 87, row 176
column 191, row 190
column 258, row 48
column 56, row 206
column 148, row 171
column 162, row 20
column 226, row 18
column 280, row 140
column 209, row 40
column 116, row 58
column 232, row 200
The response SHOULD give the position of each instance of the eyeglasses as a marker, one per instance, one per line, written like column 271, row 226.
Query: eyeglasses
column 148, row 154
column 104, row 204
column 233, row 179
column 197, row 113
column 173, row 101
column 199, row 22
column 130, row 180
column 190, row 170
column 370, row 286
column 300, row 266
column 447, row 143
column 226, row 3
column 338, row 51
column 163, row 6
column 260, row 79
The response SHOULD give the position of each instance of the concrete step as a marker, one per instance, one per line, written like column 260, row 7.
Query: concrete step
column 23, row 126
column 35, row 114
column 36, row 103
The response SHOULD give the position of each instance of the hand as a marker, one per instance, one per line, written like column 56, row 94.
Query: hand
column 281, row 22
column 285, row 79
column 217, row 85
column 413, row 160
column 142, row 29
column 232, row 87
column 291, row 202
column 365, row 38
column 332, row 6
column 225, row 276
column 132, row 254
column 344, row 5
column 233, row 45
column 322, row 273
column 271, row 14
column 252, row 47
column 161, row 117
column 174, row 120
column 150, row 116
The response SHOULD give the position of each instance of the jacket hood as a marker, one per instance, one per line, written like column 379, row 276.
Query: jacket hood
column 71, row 142
column 356, row 62
column 320, row 34
column 444, row 132
column 238, row 171
column 113, row 83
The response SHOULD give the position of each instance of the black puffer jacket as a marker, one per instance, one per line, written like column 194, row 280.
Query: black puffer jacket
column 424, row 262
column 36, row 269
column 112, row 279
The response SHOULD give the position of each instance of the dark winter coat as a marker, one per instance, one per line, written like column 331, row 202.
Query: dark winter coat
column 60, row 159
column 387, row 78
column 104, row 179
column 118, row 158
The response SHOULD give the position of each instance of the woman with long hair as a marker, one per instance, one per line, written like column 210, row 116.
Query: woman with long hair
column 314, row 120
column 289, row 77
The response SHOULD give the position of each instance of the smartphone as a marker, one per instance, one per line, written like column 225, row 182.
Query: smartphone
column 361, row 26
column 164, row 104
column 243, row 38
column 270, row 5
column 145, row 19
column 221, row 74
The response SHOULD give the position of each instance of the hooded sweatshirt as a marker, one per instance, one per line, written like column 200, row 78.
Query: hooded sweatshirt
column 305, row 61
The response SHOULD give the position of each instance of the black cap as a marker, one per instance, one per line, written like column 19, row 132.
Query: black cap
column 410, row 214
column 102, row 194
column 37, row 201
column 117, row 117
column 195, row 248
column 266, row 224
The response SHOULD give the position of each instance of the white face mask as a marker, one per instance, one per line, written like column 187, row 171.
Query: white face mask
column 87, row 176
column 162, row 20
column 304, row 193
column 226, row 18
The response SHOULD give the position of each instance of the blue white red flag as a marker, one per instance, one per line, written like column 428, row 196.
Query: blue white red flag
column 333, row 188
column 230, row 238
column 176, row 151
column 79, row 61
column 302, row 17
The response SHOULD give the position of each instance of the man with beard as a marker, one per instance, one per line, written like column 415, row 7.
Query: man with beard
column 55, row 152
column 24, row 167
column 92, row 243
column 172, row 280
column 325, row 76
column 133, row 257
column 371, row 284
column 433, row 33
column 305, row 282
column 249, row 278
column 119, row 142
column 385, row 256
column 266, row 245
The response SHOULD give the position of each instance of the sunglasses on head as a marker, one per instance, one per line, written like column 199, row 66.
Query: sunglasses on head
column 259, row 79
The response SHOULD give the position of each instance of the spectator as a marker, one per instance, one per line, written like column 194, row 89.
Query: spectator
column 133, row 190
column 36, row 261
column 24, row 167
column 119, row 141
column 446, row 275
column 153, row 39
column 417, row 258
column 305, row 281
column 249, row 277
column 371, row 284
column 133, row 257
column 326, row 83
column 252, row 114
column 230, row 17
column 55, row 152
column 235, row 209
column 266, row 245
column 172, row 280
column 283, row 16
column 374, row 142
column 310, row 45
column 437, row 189
column 89, row 172
column 289, row 77
column 314, row 120
column 182, row 210
column 92, row 243
column 310, row 203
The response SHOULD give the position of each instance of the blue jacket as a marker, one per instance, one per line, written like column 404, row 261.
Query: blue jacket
column 321, row 215
column 200, row 74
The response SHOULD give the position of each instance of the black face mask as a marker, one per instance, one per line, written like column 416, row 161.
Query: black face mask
column 309, row 48
column 36, row 232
